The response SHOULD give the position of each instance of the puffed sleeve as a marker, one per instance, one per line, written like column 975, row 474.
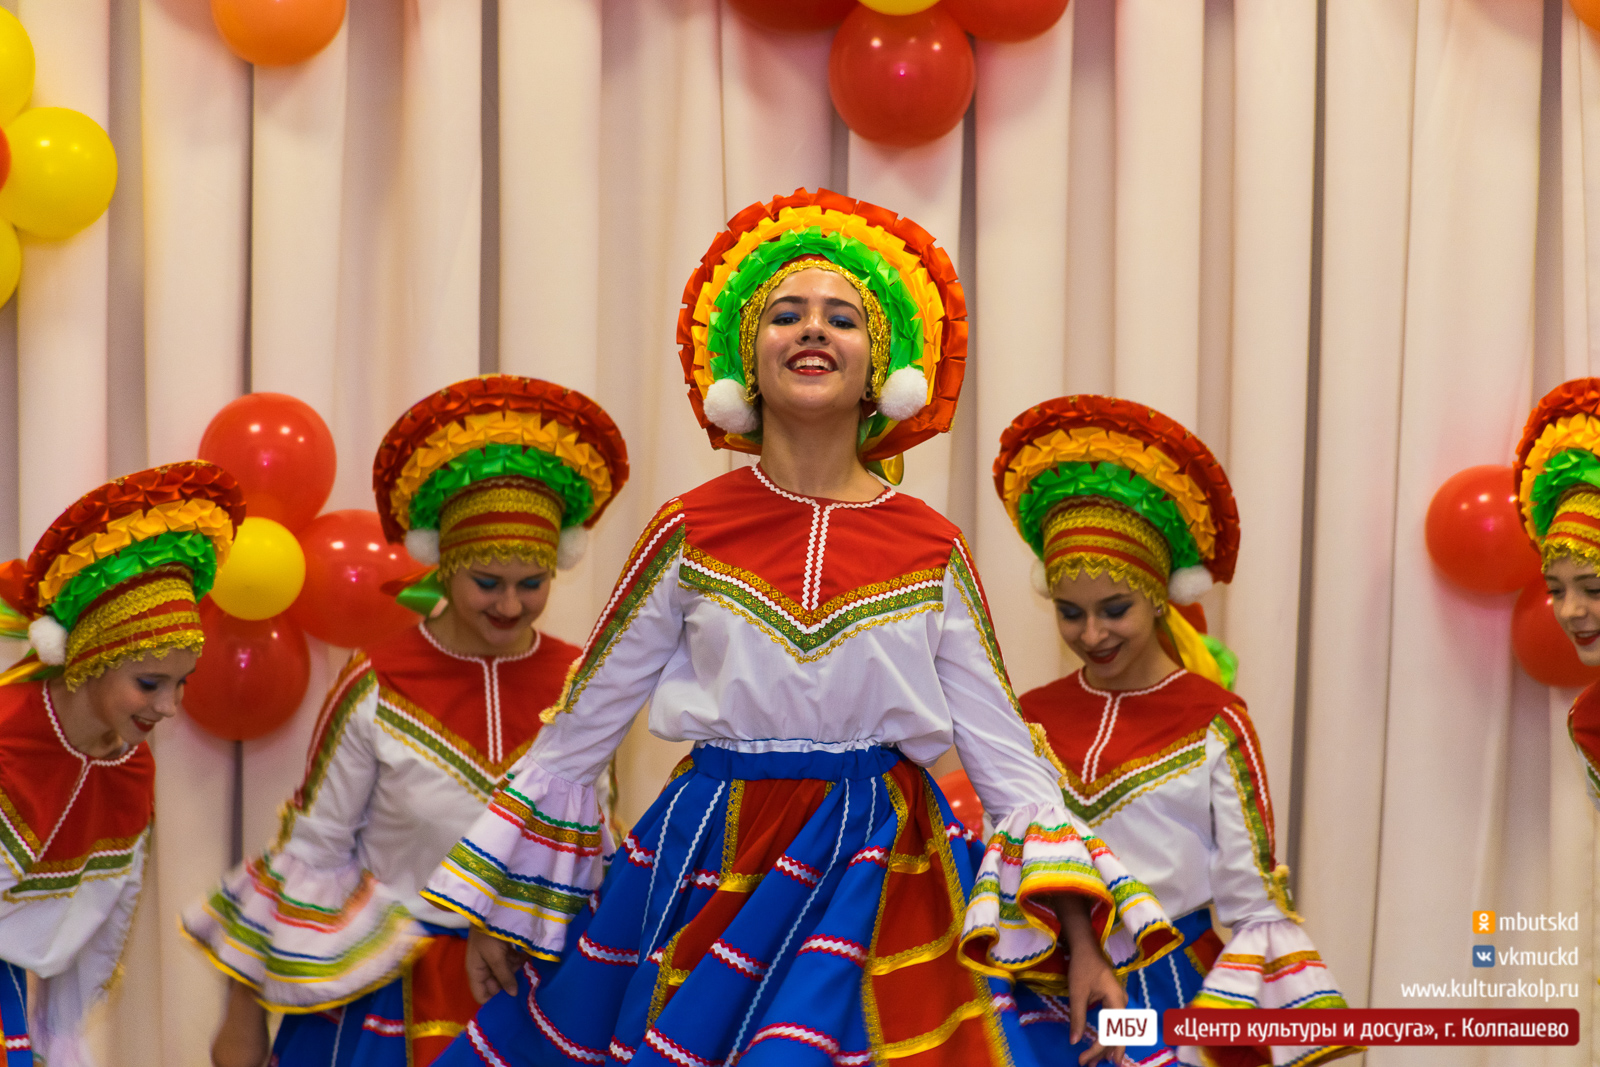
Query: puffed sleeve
column 1037, row 849
column 75, row 954
column 304, row 924
column 1269, row 962
column 531, row 860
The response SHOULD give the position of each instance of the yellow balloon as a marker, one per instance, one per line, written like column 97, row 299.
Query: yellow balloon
column 264, row 572
column 63, row 172
column 10, row 261
column 16, row 66
column 899, row 7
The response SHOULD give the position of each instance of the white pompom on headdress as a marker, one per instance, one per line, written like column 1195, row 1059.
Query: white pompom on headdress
column 49, row 639
column 727, row 407
column 904, row 394
column 423, row 546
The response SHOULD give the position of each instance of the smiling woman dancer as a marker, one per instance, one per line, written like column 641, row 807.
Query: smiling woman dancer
column 800, row 888
column 1557, row 480
column 494, row 480
column 1128, row 513
column 110, row 590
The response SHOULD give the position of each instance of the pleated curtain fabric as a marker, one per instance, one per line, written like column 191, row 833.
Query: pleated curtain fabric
column 463, row 185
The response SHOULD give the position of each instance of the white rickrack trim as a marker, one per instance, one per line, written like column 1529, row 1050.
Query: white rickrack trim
column 817, row 540
column 490, row 666
column 1108, row 718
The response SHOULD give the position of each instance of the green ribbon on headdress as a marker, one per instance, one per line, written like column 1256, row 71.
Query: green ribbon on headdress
column 500, row 460
column 1111, row 482
column 189, row 548
column 905, row 325
column 1566, row 470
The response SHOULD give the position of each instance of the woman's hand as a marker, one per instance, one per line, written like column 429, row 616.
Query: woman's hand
column 491, row 965
column 242, row 1039
column 1091, row 979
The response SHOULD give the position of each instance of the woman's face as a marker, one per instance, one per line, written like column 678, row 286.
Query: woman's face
column 813, row 354
column 130, row 699
column 498, row 602
column 1108, row 625
column 1575, row 596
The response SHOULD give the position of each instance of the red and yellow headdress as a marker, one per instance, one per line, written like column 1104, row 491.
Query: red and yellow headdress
column 1557, row 473
column 916, row 316
column 118, row 574
column 1097, row 485
column 498, row 468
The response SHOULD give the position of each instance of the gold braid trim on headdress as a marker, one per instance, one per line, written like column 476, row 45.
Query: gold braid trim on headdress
column 153, row 613
column 1093, row 536
column 499, row 520
column 1575, row 531
column 750, row 322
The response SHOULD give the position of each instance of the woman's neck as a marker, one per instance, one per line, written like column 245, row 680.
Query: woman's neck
column 451, row 631
column 1143, row 673
column 817, row 458
column 83, row 730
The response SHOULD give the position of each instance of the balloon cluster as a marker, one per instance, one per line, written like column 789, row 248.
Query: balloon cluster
column 901, row 72
column 277, row 33
column 292, row 571
column 1476, row 539
column 57, row 167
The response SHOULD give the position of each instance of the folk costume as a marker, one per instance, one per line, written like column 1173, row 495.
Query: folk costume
column 1557, row 479
column 328, row 924
column 1171, row 776
column 800, row 889
column 116, row 577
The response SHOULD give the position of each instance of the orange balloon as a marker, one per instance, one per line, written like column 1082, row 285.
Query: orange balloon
column 1588, row 11
column 277, row 33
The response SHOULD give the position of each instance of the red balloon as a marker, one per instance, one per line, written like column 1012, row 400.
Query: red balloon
column 1006, row 20
column 901, row 80
column 347, row 562
column 963, row 800
column 1475, row 535
column 793, row 16
column 1542, row 646
column 252, row 676
column 280, row 451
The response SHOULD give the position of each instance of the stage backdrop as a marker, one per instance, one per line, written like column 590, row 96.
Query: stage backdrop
column 458, row 185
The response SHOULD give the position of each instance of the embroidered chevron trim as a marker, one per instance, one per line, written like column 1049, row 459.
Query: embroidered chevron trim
column 742, row 962
column 651, row 555
column 978, row 607
column 387, row 1027
column 1249, row 778
column 355, row 681
column 416, row 729
column 21, row 844
column 107, row 858
column 803, row 873
column 605, row 954
column 1096, row 801
column 805, row 630
column 835, row 946
column 670, row 1050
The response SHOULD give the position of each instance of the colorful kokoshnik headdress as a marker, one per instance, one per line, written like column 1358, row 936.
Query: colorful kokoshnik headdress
column 1557, row 473
column 498, row 468
column 916, row 317
column 1097, row 485
column 118, row 574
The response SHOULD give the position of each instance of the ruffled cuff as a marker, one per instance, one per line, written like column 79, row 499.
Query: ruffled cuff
column 1268, row 965
column 529, row 863
column 1011, row 928
column 306, row 939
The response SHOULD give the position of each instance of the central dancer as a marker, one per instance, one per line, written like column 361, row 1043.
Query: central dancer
column 800, row 890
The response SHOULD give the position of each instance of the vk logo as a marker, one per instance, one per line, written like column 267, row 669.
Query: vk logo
column 1483, row 955
column 1129, row 1026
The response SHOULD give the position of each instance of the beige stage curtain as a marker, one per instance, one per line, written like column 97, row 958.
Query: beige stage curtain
column 465, row 185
